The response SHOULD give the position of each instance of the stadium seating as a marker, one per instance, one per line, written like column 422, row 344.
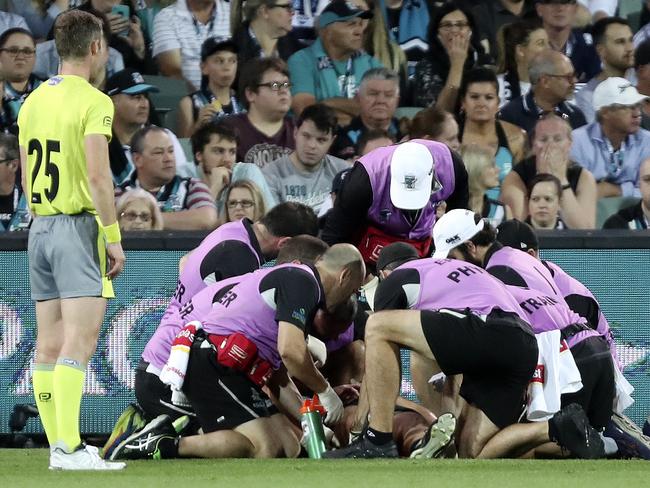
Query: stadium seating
column 166, row 101
column 607, row 207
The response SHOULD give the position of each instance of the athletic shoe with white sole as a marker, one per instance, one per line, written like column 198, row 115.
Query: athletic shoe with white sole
column 157, row 440
column 629, row 437
column 436, row 439
column 83, row 458
column 131, row 420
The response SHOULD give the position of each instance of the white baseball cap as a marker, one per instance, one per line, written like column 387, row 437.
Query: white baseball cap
column 454, row 228
column 411, row 175
column 616, row 91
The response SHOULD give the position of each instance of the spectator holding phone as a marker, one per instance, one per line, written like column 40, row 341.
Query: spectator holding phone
column 126, row 34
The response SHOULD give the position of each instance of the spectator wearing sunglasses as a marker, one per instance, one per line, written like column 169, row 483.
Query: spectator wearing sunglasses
column 553, row 82
column 261, row 29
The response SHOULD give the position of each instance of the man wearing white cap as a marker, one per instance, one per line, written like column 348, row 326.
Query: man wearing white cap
column 614, row 145
column 391, row 195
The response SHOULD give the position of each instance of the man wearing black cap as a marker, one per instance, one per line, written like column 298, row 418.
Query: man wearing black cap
column 128, row 91
column 216, row 97
column 331, row 68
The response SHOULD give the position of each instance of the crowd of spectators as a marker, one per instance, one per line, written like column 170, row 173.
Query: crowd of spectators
column 544, row 100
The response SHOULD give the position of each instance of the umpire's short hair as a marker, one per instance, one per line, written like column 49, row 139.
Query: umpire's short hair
column 74, row 31
column 290, row 219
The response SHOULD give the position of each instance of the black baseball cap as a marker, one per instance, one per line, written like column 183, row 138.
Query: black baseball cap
column 215, row 44
column 396, row 254
column 128, row 81
column 337, row 182
column 642, row 54
column 517, row 234
column 341, row 11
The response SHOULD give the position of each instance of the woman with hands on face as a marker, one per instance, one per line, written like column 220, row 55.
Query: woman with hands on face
column 551, row 147
column 454, row 48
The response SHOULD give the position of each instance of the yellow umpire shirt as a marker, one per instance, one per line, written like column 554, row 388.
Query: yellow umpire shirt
column 52, row 124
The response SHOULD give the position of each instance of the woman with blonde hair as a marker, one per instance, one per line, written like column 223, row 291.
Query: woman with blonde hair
column 260, row 29
column 242, row 199
column 483, row 174
column 137, row 209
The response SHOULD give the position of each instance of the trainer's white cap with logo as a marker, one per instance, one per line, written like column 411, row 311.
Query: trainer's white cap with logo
column 616, row 91
column 454, row 228
column 411, row 175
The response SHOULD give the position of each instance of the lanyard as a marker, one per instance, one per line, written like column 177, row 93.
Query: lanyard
column 325, row 62
column 616, row 158
column 210, row 24
column 210, row 97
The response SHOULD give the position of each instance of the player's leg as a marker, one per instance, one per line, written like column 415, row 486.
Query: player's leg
column 422, row 370
column 478, row 429
column 78, row 262
column 49, row 340
column 516, row 440
column 268, row 437
column 82, row 318
column 385, row 333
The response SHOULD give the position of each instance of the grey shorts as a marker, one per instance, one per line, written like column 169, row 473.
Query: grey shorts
column 67, row 258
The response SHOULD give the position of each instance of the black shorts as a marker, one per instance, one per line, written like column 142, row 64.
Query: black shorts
column 155, row 398
column 221, row 397
column 496, row 355
column 594, row 360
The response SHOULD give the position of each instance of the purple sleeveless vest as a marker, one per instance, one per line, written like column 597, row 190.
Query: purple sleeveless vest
column 383, row 214
column 542, row 301
column 454, row 284
column 568, row 285
column 246, row 311
column 190, row 281
column 157, row 350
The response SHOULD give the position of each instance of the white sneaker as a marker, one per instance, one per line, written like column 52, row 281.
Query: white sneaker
column 84, row 458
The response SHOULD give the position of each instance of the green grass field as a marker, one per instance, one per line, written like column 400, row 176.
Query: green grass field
column 28, row 468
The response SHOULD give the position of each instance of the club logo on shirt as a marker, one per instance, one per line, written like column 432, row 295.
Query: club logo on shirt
column 108, row 121
column 55, row 80
column 299, row 315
